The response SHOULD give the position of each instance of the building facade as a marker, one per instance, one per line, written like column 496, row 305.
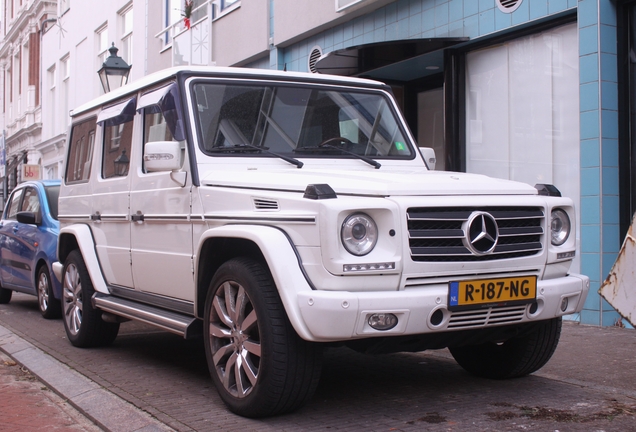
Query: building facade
column 540, row 91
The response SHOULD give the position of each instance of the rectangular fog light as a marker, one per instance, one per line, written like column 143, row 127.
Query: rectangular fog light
column 347, row 268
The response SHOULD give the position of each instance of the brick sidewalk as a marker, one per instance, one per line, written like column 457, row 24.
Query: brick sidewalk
column 26, row 404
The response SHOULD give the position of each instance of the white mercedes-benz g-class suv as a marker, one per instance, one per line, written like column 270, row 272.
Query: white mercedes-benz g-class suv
column 278, row 213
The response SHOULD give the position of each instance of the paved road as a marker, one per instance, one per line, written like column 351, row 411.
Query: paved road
column 589, row 385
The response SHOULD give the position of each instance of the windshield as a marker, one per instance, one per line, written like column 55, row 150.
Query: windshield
column 299, row 121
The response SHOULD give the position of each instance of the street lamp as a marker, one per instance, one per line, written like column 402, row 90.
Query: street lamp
column 114, row 71
column 121, row 164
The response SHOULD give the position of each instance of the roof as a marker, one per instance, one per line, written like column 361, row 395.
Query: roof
column 217, row 71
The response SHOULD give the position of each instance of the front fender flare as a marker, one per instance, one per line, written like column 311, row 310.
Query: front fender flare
column 282, row 260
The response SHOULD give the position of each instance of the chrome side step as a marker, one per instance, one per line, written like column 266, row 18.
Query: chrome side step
column 184, row 325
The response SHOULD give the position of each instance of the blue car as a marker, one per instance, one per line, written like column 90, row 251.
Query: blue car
column 28, row 243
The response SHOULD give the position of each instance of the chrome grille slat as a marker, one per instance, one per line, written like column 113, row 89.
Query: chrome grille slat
column 436, row 234
column 483, row 317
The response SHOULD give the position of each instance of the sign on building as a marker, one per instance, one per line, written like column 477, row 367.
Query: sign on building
column 31, row 172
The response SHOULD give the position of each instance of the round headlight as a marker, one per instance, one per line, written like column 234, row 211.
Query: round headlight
column 359, row 234
column 559, row 227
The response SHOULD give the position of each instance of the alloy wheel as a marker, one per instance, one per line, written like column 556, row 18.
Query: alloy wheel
column 235, row 339
column 73, row 299
column 43, row 291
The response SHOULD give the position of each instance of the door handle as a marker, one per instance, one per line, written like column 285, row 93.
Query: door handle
column 137, row 217
column 96, row 217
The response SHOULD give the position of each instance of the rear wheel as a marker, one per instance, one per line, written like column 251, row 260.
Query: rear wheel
column 83, row 323
column 260, row 366
column 513, row 358
column 50, row 307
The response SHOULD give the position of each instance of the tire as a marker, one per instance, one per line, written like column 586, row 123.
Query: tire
column 50, row 307
column 516, row 357
column 277, row 371
column 5, row 295
column 83, row 323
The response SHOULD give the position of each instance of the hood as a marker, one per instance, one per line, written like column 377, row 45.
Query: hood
column 370, row 182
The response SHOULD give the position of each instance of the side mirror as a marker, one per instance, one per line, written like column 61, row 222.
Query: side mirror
column 429, row 157
column 162, row 156
column 27, row 217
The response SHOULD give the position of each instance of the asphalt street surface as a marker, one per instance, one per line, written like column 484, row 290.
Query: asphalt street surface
column 589, row 385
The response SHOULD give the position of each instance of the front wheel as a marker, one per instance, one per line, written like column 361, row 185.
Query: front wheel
column 515, row 357
column 50, row 307
column 83, row 323
column 260, row 366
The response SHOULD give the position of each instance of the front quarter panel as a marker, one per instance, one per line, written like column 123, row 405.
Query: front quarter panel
column 282, row 260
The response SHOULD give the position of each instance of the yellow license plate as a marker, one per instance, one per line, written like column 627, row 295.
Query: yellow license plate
column 513, row 290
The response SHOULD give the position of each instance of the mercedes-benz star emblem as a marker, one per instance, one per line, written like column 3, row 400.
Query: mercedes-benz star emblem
column 482, row 233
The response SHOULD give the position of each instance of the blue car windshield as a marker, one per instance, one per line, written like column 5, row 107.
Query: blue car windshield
column 297, row 121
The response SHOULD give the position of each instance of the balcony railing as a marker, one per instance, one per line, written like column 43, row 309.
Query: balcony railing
column 191, row 47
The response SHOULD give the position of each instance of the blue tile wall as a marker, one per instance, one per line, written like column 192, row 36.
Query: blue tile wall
column 588, row 68
column 405, row 19
column 599, row 178
column 590, row 153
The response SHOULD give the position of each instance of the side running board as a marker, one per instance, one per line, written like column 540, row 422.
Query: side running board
column 184, row 325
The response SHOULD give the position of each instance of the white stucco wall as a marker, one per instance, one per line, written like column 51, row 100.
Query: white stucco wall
column 296, row 19
column 241, row 35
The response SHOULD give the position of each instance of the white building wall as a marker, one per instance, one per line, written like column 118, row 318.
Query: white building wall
column 294, row 22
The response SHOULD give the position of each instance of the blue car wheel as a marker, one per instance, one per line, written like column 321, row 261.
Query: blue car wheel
column 50, row 307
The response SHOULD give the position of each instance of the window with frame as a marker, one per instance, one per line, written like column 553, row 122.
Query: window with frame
column 126, row 44
column 17, row 68
column 65, row 66
column 51, row 78
column 14, row 205
column 31, row 201
column 172, row 11
column 117, row 146
column 297, row 120
column 198, row 12
column 101, row 36
column 227, row 4
column 64, row 5
column 9, row 84
column 80, row 153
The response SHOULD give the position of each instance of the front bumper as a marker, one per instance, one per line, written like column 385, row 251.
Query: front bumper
column 339, row 316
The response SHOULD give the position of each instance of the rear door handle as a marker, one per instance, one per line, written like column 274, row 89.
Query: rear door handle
column 137, row 217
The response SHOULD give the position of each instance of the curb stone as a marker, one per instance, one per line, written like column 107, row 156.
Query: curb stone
column 105, row 409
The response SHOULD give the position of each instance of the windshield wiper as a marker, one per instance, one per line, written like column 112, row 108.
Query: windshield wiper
column 239, row 148
column 370, row 161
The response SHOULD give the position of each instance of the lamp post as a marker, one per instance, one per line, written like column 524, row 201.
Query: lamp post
column 121, row 164
column 114, row 71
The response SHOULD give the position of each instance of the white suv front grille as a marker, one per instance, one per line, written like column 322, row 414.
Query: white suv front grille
column 440, row 234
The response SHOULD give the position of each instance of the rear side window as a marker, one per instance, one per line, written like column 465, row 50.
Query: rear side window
column 80, row 152
column 117, row 125
column 117, row 145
